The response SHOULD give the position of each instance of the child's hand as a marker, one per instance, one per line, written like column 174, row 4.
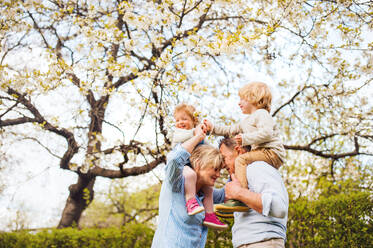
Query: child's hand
column 238, row 139
column 198, row 131
column 204, row 128
column 208, row 125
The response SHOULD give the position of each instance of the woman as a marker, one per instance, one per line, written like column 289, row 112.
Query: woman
column 176, row 228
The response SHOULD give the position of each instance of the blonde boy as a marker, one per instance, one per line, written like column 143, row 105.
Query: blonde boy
column 257, row 130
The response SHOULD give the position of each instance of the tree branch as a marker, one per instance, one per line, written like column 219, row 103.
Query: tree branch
column 334, row 156
column 98, row 171
column 291, row 100
column 38, row 118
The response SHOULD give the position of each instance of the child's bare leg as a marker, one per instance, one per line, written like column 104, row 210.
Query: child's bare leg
column 210, row 218
column 208, row 200
column 192, row 205
column 190, row 182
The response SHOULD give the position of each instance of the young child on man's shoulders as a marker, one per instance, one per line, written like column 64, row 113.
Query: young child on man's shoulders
column 258, row 130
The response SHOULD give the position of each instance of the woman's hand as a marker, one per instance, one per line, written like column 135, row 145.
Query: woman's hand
column 199, row 135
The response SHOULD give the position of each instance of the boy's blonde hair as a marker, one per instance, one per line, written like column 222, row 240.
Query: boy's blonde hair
column 189, row 110
column 206, row 156
column 258, row 94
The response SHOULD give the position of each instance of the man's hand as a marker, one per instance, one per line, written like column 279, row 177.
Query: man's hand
column 233, row 188
column 238, row 139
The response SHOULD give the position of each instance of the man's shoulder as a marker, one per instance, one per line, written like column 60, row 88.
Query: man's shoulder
column 261, row 168
column 262, row 176
column 259, row 164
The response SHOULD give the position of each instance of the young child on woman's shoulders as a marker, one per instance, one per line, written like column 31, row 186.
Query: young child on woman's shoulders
column 185, row 122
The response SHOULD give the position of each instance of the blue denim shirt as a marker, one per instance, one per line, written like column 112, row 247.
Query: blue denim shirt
column 176, row 229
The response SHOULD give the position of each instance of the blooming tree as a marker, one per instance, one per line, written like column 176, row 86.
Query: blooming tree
column 72, row 70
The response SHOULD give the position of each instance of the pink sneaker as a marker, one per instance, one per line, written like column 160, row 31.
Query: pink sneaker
column 193, row 207
column 212, row 221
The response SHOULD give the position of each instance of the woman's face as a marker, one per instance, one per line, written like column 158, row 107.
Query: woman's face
column 208, row 175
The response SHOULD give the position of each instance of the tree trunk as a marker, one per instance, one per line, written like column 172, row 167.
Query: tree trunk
column 81, row 194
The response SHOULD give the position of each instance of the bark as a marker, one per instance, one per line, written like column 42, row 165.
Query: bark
column 81, row 194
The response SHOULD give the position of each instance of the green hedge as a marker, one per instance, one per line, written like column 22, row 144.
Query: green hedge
column 220, row 239
column 132, row 235
column 338, row 221
column 342, row 220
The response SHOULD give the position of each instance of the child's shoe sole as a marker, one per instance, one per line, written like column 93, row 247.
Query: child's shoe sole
column 224, row 214
column 215, row 226
column 231, row 206
column 197, row 210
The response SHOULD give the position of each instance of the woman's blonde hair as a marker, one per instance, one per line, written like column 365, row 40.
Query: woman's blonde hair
column 206, row 156
column 258, row 94
column 189, row 110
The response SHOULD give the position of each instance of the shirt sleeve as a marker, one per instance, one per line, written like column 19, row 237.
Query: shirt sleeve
column 264, row 129
column 273, row 205
column 176, row 160
column 226, row 130
column 265, row 180
column 218, row 195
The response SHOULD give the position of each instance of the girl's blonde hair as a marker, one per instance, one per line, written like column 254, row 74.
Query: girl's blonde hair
column 258, row 94
column 189, row 110
column 206, row 156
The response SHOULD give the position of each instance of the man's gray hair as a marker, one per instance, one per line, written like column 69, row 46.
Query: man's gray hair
column 231, row 144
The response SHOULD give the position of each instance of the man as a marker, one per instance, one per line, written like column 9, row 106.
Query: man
column 264, row 224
